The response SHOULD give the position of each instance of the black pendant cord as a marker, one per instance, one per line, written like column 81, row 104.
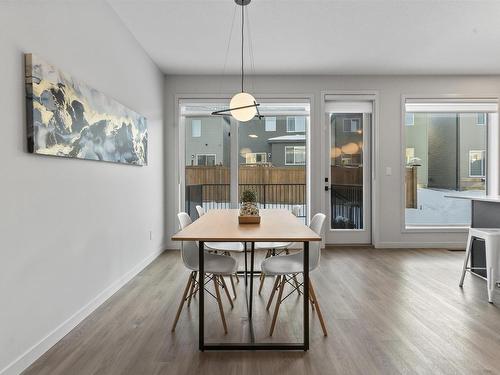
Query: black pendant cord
column 225, row 112
column 242, row 45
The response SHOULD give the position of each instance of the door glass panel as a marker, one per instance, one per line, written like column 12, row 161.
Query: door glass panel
column 346, row 169
column 206, row 156
column 272, row 156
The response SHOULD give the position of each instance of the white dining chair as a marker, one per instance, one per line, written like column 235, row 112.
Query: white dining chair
column 216, row 266
column 287, row 266
column 275, row 248
column 226, row 248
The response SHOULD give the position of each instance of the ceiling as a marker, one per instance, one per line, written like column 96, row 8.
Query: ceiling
column 319, row 36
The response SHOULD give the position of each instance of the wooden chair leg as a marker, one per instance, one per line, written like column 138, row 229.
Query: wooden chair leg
column 219, row 302
column 186, row 290
column 296, row 284
column 318, row 310
column 191, row 290
column 278, row 303
column 232, row 284
column 221, row 278
column 262, row 279
column 275, row 286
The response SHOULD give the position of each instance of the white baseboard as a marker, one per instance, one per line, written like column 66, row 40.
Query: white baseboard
column 420, row 245
column 36, row 351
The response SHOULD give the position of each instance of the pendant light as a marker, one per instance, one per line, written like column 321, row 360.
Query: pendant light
column 242, row 106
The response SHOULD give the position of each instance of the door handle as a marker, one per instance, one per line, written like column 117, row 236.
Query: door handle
column 327, row 188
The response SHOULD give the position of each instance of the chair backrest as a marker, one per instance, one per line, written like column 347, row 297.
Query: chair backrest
column 200, row 210
column 296, row 210
column 189, row 249
column 317, row 223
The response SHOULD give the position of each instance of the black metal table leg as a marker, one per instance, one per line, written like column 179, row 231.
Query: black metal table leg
column 252, row 253
column 246, row 267
column 201, row 281
column 306, row 295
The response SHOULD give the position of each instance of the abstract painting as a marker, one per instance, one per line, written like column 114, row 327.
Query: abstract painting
column 70, row 119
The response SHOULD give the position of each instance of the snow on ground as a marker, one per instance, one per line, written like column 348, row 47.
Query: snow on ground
column 435, row 209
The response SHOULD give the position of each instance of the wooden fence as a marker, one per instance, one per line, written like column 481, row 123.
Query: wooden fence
column 411, row 187
column 248, row 174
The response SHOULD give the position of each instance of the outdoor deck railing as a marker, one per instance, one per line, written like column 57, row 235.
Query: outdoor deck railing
column 347, row 206
column 346, row 200
column 217, row 196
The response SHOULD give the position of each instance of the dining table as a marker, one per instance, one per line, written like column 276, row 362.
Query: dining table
column 276, row 225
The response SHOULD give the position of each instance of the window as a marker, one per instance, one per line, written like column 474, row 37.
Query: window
column 481, row 119
column 352, row 125
column 196, row 128
column 409, row 119
column 477, row 165
column 255, row 157
column 295, row 155
column 270, row 124
column 447, row 152
column 205, row 159
column 295, row 124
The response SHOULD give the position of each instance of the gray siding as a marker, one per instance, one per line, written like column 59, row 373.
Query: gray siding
column 214, row 131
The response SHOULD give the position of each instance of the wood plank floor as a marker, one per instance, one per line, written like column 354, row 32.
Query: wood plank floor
column 387, row 311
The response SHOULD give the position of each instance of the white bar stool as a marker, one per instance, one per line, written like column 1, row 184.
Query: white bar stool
column 491, row 238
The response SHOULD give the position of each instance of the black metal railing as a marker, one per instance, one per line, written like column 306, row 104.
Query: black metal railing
column 346, row 206
column 217, row 196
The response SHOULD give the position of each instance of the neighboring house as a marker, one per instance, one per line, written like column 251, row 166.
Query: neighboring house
column 347, row 138
column 279, row 141
column 207, row 141
column 450, row 149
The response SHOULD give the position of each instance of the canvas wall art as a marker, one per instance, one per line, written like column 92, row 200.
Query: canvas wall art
column 67, row 118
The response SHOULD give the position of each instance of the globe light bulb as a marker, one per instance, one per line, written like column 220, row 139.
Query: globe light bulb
column 243, row 99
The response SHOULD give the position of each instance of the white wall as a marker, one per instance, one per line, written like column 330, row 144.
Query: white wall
column 71, row 231
column 388, row 221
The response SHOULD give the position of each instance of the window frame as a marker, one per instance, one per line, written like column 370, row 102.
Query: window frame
column 206, row 165
column 412, row 123
column 198, row 121
column 483, row 163
column 295, row 155
column 294, row 124
column 490, row 152
column 255, row 155
column 274, row 123
column 350, row 122
column 485, row 116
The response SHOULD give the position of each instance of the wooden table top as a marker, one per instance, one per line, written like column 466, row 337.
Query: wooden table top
column 222, row 225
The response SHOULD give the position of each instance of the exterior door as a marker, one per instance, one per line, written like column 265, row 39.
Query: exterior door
column 349, row 125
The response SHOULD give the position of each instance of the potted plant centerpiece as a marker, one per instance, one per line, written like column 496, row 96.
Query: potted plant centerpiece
column 249, row 212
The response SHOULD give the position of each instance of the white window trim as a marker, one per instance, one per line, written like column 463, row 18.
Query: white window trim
column 255, row 154
column 483, row 152
column 214, row 155
column 294, row 155
column 417, row 97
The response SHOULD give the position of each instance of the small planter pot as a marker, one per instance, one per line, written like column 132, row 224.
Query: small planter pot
column 249, row 213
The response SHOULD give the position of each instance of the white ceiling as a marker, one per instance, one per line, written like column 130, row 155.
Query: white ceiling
column 319, row 36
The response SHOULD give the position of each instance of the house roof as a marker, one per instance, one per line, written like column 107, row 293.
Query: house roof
column 295, row 138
